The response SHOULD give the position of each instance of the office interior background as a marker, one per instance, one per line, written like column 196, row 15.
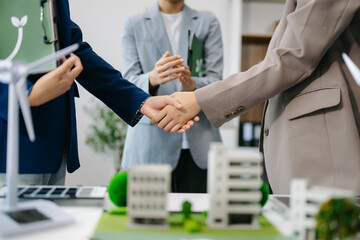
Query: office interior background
column 101, row 23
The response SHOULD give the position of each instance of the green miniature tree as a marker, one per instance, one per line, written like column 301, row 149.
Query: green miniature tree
column 338, row 218
column 186, row 210
column 190, row 224
column 107, row 133
column 118, row 193
column 118, row 189
column 264, row 189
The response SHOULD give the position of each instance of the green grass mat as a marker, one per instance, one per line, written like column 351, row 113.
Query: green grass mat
column 115, row 227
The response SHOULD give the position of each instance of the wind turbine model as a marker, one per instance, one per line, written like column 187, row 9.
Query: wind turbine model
column 27, row 216
column 355, row 71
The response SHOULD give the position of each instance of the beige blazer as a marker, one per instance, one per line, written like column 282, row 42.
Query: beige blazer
column 312, row 117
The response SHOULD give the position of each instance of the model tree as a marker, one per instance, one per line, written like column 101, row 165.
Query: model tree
column 190, row 224
column 186, row 210
column 338, row 218
column 118, row 189
column 264, row 189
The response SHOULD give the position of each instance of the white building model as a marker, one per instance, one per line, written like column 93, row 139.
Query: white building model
column 148, row 186
column 233, row 184
column 305, row 202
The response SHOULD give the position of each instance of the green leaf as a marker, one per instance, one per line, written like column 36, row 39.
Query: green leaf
column 107, row 131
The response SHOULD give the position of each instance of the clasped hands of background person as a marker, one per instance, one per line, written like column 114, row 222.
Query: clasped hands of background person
column 169, row 68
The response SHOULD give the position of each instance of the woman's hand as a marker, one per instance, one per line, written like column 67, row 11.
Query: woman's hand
column 56, row 82
column 165, row 70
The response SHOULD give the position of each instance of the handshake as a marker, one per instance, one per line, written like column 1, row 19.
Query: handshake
column 174, row 113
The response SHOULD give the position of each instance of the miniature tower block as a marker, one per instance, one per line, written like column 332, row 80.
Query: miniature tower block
column 148, row 186
column 305, row 202
column 234, row 186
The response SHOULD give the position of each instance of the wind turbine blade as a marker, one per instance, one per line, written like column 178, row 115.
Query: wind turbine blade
column 355, row 71
column 21, row 93
column 5, row 73
column 56, row 56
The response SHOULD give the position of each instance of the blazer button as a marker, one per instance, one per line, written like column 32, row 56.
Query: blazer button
column 266, row 132
column 240, row 109
column 227, row 115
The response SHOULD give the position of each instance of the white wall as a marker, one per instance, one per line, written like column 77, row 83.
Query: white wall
column 101, row 23
column 259, row 17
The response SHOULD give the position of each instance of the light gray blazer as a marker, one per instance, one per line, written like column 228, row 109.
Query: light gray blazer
column 312, row 118
column 144, row 41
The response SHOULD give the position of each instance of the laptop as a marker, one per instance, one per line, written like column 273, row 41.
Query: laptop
column 63, row 195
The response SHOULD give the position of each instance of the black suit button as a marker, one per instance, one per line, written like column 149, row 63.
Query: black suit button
column 240, row 109
column 266, row 132
column 228, row 115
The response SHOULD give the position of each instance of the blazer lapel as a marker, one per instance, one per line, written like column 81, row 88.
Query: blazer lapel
column 156, row 29
column 188, row 23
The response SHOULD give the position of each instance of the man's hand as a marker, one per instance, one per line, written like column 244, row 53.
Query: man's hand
column 187, row 83
column 172, row 119
column 165, row 70
column 56, row 82
column 153, row 105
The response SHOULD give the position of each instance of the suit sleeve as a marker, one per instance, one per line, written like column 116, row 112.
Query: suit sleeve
column 130, row 58
column 213, row 51
column 106, row 83
column 3, row 101
column 4, row 98
column 307, row 34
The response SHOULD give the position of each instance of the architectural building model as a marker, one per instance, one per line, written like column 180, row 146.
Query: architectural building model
column 305, row 202
column 148, row 186
column 233, row 184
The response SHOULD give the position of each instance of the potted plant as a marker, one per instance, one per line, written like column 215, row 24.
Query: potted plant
column 107, row 132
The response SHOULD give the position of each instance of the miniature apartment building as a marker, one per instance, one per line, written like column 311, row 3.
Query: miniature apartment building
column 148, row 186
column 305, row 202
column 233, row 184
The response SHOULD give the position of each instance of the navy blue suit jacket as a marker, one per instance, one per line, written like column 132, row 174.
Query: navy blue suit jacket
column 55, row 122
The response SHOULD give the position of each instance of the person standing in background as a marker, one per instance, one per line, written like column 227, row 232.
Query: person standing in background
column 154, row 55
column 55, row 149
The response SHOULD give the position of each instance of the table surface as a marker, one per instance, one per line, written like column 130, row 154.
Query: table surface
column 86, row 218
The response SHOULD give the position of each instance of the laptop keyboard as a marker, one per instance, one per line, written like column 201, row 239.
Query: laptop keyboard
column 58, row 192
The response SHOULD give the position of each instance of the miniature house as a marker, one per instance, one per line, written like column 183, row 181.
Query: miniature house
column 305, row 202
column 233, row 184
column 148, row 186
